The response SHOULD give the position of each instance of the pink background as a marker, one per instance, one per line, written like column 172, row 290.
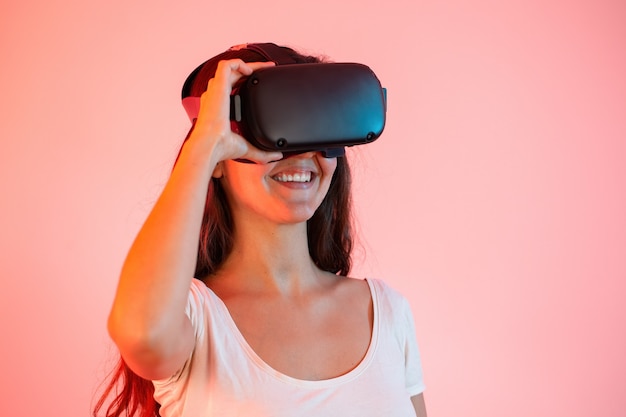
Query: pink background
column 495, row 199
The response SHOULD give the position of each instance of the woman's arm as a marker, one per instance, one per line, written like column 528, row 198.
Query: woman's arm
column 147, row 320
column 419, row 405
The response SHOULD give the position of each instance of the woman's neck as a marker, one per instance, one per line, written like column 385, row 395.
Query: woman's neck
column 270, row 258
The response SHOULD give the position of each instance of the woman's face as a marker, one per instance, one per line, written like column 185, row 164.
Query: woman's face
column 283, row 192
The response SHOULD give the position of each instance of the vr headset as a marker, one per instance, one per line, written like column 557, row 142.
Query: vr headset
column 304, row 107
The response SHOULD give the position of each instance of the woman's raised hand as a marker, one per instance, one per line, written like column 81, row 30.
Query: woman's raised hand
column 148, row 320
column 212, row 131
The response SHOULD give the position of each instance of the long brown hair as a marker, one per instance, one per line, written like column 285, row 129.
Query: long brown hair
column 329, row 238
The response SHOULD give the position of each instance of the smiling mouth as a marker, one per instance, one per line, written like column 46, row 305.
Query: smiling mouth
column 296, row 177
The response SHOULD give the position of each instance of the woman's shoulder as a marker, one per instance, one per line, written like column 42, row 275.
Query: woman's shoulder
column 199, row 289
column 391, row 305
column 200, row 298
column 385, row 290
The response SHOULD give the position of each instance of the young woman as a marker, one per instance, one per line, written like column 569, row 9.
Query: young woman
column 271, row 325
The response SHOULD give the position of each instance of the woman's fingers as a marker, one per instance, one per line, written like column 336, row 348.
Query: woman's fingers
column 213, row 122
column 258, row 65
column 230, row 71
column 262, row 157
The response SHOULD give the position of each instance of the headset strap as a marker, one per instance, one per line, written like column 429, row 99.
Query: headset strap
column 271, row 52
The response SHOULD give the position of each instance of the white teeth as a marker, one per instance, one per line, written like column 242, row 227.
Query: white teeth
column 297, row 177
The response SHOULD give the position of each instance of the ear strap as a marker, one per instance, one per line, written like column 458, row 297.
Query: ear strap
column 272, row 52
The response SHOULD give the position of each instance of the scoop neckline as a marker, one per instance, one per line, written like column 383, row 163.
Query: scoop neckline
column 322, row 383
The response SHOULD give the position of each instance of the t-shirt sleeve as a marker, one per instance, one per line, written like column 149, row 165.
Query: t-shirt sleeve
column 413, row 365
column 195, row 308
column 195, row 311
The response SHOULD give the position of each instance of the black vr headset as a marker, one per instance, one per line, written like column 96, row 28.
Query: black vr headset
column 303, row 107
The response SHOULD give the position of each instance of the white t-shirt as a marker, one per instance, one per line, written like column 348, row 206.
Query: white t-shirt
column 224, row 377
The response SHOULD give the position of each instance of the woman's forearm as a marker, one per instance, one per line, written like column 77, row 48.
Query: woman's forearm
column 148, row 321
